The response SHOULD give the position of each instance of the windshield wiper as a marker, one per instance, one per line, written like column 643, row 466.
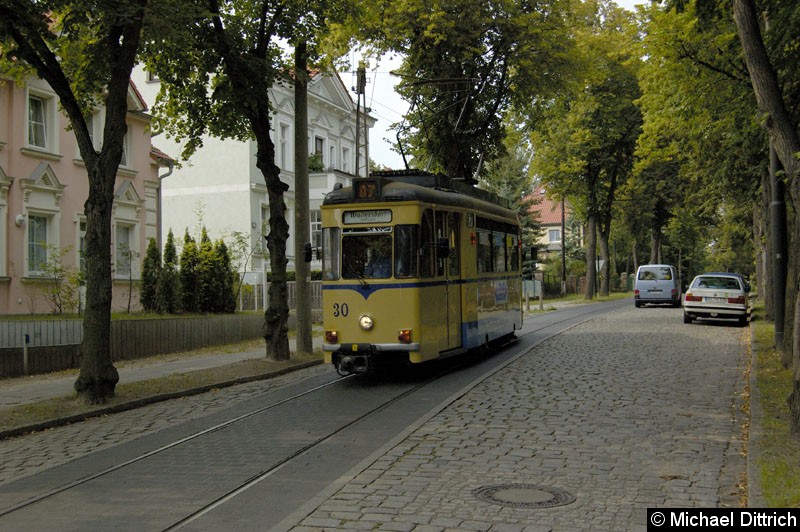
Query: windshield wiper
column 362, row 281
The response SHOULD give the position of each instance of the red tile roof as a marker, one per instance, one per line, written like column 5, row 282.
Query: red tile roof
column 160, row 157
column 548, row 210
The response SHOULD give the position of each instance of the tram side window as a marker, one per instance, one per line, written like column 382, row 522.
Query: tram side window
column 330, row 253
column 441, row 228
column 513, row 253
column 484, row 251
column 427, row 251
column 499, row 241
column 406, row 249
column 453, row 226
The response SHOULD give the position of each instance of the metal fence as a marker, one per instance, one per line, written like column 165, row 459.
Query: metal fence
column 552, row 284
column 253, row 295
column 40, row 332
column 137, row 337
column 54, row 345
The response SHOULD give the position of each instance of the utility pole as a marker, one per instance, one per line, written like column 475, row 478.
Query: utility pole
column 777, row 212
column 361, row 85
column 302, row 226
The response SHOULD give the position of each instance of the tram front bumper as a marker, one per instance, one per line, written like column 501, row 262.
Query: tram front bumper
column 357, row 348
column 356, row 358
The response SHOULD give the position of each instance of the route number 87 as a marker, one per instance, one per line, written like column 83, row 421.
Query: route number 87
column 340, row 310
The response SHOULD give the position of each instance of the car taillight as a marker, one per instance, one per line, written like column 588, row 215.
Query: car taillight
column 690, row 297
column 736, row 300
column 636, row 292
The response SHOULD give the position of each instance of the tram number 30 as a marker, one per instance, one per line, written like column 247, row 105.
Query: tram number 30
column 340, row 310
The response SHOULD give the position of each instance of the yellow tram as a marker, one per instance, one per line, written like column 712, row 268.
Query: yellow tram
column 414, row 269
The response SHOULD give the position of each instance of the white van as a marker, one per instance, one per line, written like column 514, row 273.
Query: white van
column 657, row 283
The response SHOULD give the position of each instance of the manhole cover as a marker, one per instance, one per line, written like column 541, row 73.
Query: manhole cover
column 524, row 496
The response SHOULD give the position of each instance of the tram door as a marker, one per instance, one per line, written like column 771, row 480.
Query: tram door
column 448, row 227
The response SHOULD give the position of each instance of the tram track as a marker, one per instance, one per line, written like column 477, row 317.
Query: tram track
column 391, row 399
column 109, row 470
column 251, row 481
column 263, row 475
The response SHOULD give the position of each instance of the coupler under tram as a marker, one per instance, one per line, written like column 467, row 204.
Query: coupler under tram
column 359, row 359
column 348, row 364
column 367, row 358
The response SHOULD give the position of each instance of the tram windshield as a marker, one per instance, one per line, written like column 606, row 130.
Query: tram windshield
column 367, row 256
column 372, row 255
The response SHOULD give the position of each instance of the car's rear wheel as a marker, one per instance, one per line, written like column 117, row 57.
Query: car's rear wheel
column 687, row 318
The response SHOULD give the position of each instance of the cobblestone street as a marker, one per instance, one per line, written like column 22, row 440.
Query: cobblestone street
column 628, row 411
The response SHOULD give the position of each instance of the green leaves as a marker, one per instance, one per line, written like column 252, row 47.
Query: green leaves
column 467, row 63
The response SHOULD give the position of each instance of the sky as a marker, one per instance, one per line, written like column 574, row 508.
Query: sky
column 387, row 107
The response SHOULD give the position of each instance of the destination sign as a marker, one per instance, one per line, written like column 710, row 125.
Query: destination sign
column 367, row 217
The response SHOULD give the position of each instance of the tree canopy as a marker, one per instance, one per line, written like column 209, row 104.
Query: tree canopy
column 466, row 63
column 584, row 143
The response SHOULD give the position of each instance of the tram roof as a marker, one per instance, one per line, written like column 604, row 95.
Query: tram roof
column 411, row 185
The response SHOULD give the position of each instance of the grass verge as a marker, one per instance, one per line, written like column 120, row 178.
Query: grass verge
column 553, row 303
column 778, row 455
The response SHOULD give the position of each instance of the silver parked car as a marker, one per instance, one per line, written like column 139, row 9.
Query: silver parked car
column 717, row 295
column 658, row 284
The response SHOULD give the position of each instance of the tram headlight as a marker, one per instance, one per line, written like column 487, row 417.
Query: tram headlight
column 332, row 337
column 366, row 322
column 404, row 336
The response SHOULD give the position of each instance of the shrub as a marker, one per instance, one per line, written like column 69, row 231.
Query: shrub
column 168, row 293
column 151, row 271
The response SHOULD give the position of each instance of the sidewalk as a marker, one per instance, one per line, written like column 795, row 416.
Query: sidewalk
column 26, row 390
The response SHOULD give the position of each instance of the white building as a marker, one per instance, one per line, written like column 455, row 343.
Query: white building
column 221, row 188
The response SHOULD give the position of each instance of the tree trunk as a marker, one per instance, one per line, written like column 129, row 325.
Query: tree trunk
column 778, row 257
column 605, row 269
column 793, row 401
column 98, row 377
column 655, row 246
column 786, row 141
column 276, row 317
column 764, row 256
column 591, row 256
column 302, row 228
column 792, row 280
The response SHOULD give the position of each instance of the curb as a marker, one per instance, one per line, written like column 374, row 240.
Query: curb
column 138, row 403
column 755, row 496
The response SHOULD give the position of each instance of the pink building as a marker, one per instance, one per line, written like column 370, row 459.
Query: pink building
column 43, row 186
